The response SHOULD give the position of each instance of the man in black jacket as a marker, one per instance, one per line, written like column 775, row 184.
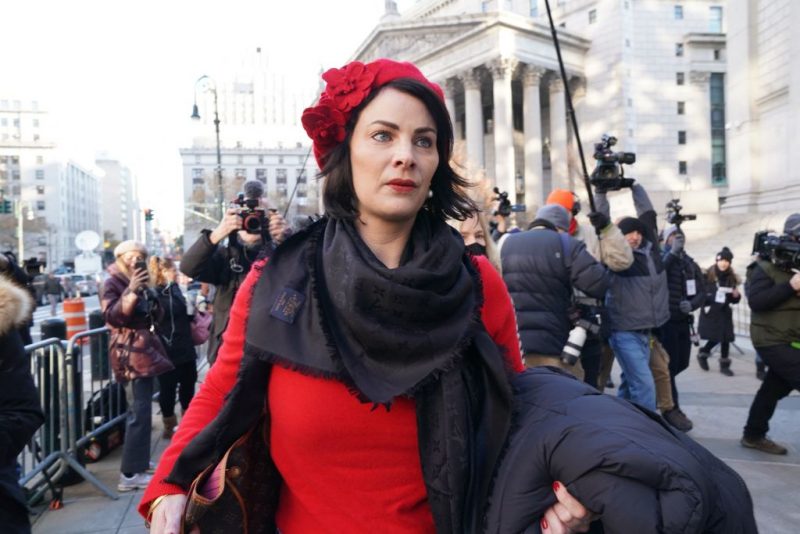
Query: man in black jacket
column 540, row 267
column 226, row 266
column 774, row 298
column 686, row 285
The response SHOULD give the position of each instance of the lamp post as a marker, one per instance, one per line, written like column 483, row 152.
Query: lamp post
column 208, row 84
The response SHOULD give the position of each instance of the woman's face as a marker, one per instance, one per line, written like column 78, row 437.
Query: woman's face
column 393, row 157
column 723, row 264
column 170, row 274
column 130, row 258
column 472, row 232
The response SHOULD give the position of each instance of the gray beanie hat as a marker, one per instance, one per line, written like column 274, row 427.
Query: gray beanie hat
column 555, row 214
column 792, row 225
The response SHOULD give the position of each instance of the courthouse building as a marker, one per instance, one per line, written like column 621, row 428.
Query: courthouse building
column 650, row 72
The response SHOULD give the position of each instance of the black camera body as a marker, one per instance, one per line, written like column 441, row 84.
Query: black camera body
column 254, row 219
column 609, row 174
column 504, row 206
column 781, row 250
column 674, row 215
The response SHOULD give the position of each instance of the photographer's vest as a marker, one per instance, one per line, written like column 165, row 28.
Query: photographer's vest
column 780, row 325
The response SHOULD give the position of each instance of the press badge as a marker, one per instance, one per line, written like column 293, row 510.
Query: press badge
column 720, row 298
column 287, row 305
column 691, row 288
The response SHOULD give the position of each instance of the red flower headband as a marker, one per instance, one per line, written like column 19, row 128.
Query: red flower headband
column 346, row 88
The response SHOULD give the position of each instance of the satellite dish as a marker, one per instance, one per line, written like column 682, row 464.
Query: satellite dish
column 87, row 240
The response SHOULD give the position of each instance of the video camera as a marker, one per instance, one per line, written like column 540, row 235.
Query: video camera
column 781, row 250
column 254, row 219
column 505, row 207
column 609, row 175
column 674, row 215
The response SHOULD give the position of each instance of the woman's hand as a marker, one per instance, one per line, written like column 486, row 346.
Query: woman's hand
column 277, row 227
column 567, row 515
column 139, row 279
column 735, row 293
column 166, row 516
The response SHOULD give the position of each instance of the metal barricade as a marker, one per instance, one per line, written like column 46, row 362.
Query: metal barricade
column 58, row 371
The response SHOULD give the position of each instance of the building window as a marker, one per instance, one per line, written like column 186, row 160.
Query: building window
column 4, row 122
column 678, row 12
column 239, row 157
column 40, row 190
column 39, row 160
column 682, row 167
column 40, row 205
column 678, row 49
column 718, row 148
column 261, row 174
column 485, row 6
column 681, row 108
column 35, row 123
column 715, row 19
column 630, row 102
column 680, row 78
column 198, row 159
column 300, row 176
column 592, row 16
column 15, row 174
column 261, row 159
column 39, row 174
column 534, row 8
column 197, row 180
column 16, row 123
column 682, row 137
column 241, row 174
column 280, row 160
column 627, row 43
column 197, row 173
column 717, row 54
column 15, row 160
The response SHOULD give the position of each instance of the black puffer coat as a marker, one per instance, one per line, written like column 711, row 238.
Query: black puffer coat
column 682, row 269
column 540, row 268
column 619, row 460
column 716, row 318
column 174, row 327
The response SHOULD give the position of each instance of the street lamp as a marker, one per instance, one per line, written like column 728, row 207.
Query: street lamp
column 208, row 84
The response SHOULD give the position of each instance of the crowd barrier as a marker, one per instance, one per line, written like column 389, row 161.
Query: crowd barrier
column 80, row 403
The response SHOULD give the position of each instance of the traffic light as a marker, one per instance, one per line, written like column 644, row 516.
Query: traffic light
column 148, row 214
column 6, row 206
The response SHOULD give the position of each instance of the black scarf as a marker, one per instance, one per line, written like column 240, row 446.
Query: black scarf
column 326, row 306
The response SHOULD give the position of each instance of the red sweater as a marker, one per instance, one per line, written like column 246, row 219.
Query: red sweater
column 345, row 466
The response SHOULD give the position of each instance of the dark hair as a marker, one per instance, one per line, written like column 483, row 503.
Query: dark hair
column 449, row 200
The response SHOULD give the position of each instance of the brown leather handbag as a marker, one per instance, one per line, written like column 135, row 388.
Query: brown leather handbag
column 238, row 494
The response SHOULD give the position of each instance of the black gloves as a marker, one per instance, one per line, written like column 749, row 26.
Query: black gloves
column 599, row 220
column 685, row 307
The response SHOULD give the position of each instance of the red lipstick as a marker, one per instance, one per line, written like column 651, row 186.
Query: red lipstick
column 402, row 186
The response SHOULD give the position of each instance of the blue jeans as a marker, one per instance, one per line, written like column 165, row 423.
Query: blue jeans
column 632, row 350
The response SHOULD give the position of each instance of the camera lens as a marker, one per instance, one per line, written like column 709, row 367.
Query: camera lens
column 252, row 223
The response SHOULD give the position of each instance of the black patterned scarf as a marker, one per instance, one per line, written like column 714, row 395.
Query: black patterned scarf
column 326, row 306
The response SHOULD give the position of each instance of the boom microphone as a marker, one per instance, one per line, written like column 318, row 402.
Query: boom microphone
column 253, row 189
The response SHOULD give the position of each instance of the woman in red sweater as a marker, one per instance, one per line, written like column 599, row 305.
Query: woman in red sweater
column 383, row 349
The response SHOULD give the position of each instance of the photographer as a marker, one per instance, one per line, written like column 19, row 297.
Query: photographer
column 540, row 267
column 227, row 266
column 773, row 293
column 686, row 285
column 638, row 300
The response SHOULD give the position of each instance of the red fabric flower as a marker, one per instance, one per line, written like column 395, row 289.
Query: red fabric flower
column 350, row 85
column 324, row 124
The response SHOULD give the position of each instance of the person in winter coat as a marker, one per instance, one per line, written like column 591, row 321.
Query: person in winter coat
column 208, row 260
column 475, row 232
column 605, row 242
column 773, row 294
column 129, row 305
column 716, row 319
column 686, row 285
column 175, row 331
column 20, row 411
column 638, row 302
column 54, row 291
column 375, row 305
column 540, row 268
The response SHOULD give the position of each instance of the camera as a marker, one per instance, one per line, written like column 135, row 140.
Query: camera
column 504, row 206
column 577, row 337
column 254, row 219
column 674, row 215
column 608, row 174
column 781, row 250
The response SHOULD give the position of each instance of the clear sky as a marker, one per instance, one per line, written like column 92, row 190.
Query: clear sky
column 117, row 76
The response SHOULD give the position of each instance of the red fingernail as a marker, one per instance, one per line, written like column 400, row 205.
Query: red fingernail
column 544, row 524
column 556, row 486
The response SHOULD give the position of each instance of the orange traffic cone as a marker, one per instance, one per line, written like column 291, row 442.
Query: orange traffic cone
column 75, row 316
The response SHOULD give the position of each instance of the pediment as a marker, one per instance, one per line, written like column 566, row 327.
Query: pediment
column 407, row 41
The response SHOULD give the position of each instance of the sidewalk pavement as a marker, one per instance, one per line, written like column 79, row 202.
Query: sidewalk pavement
column 717, row 404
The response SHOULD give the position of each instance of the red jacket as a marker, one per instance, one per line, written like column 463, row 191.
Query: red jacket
column 498, row 317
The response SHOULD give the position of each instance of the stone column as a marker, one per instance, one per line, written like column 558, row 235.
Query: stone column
column 473, row 117
column 532, row 126
column 559, row 164
column 449, row 87
column 698, row 134
column 502, row 69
